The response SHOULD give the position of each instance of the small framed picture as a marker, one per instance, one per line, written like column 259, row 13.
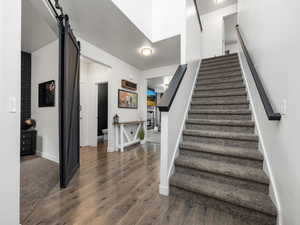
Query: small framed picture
column 127, row 99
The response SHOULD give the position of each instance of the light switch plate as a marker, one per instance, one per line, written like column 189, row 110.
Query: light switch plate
column 12, row 104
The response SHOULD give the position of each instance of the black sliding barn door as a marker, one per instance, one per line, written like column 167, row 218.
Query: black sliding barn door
column 69, row 103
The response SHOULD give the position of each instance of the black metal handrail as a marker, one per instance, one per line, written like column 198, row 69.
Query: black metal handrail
column 165, row 103
column 198, row 15
column 265, row 100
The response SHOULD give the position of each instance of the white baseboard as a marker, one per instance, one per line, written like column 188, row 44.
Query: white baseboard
column 110, row 149
column 164, row 190
column 48, row 156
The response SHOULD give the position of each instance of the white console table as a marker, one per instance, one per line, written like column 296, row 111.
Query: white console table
column 122, row 138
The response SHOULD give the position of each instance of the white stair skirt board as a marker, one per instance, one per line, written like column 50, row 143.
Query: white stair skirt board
column 123, row 139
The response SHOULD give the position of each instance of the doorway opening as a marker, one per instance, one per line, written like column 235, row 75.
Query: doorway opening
column 230, row 40
column 102, row 129
column 94, row 104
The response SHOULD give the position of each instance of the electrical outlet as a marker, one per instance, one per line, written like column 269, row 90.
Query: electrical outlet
column 284, row 107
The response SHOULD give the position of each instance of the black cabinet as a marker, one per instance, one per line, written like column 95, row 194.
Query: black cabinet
column 28, row 142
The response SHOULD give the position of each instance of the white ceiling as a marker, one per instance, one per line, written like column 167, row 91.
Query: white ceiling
column 206, row 6
column 101, row 23
column 104, row 25
column 35, row 31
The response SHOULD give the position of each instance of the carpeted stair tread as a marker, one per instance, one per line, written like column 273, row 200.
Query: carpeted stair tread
column 223, row 168
column 221, row 63
column 222, row 111
column 224, row 66
column 219, row 102
column 222, row 57
column 228, row 193
column 240, row 123
column 220, row 81
column 225, row 94
column 224, row 135
column 211, row 88
column 219, row 71
column 222, row 150
column 219, row 76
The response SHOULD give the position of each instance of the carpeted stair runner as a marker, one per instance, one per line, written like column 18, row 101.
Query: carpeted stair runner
column 219, row 164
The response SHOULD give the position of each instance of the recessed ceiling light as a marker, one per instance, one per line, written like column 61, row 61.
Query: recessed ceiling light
column 146, row 51
column 219, row 1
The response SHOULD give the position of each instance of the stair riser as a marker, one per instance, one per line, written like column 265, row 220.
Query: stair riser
column 219, row 117
column 231, row 87
column 221, row 85
column 221, row 141
column 244, row 106
column 220, row 71
column 218, row 76
column 224, row 91
column 220, row 59
column 209, row 64
column 245, row 184
column 242, row 129
column 222, row 158
column 226, row 99
column 219, row 80
column 253, row 217
column 219, row 67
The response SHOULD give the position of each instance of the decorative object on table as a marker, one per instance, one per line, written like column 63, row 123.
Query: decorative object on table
column 28, row 124
column 116, row 119
column 141, row 133
column 151, row 97
column 128, row 85
column 47, row 94
column 127, row 99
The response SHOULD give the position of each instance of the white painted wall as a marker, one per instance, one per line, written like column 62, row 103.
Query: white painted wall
column 44, row 67
column 10, row 75
column 159, row 72
column 139, row 12
column 272, row 38
column 84, row 100
column 167, row 19
column 119, row 70
column 212, row 36
column 191, row 40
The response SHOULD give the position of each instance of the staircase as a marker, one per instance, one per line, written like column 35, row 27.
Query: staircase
column 219, row 163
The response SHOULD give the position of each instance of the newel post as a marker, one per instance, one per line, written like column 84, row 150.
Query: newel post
column 164, row 181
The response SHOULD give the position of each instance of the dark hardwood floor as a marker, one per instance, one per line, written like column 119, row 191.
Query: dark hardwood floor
column 120, row 189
